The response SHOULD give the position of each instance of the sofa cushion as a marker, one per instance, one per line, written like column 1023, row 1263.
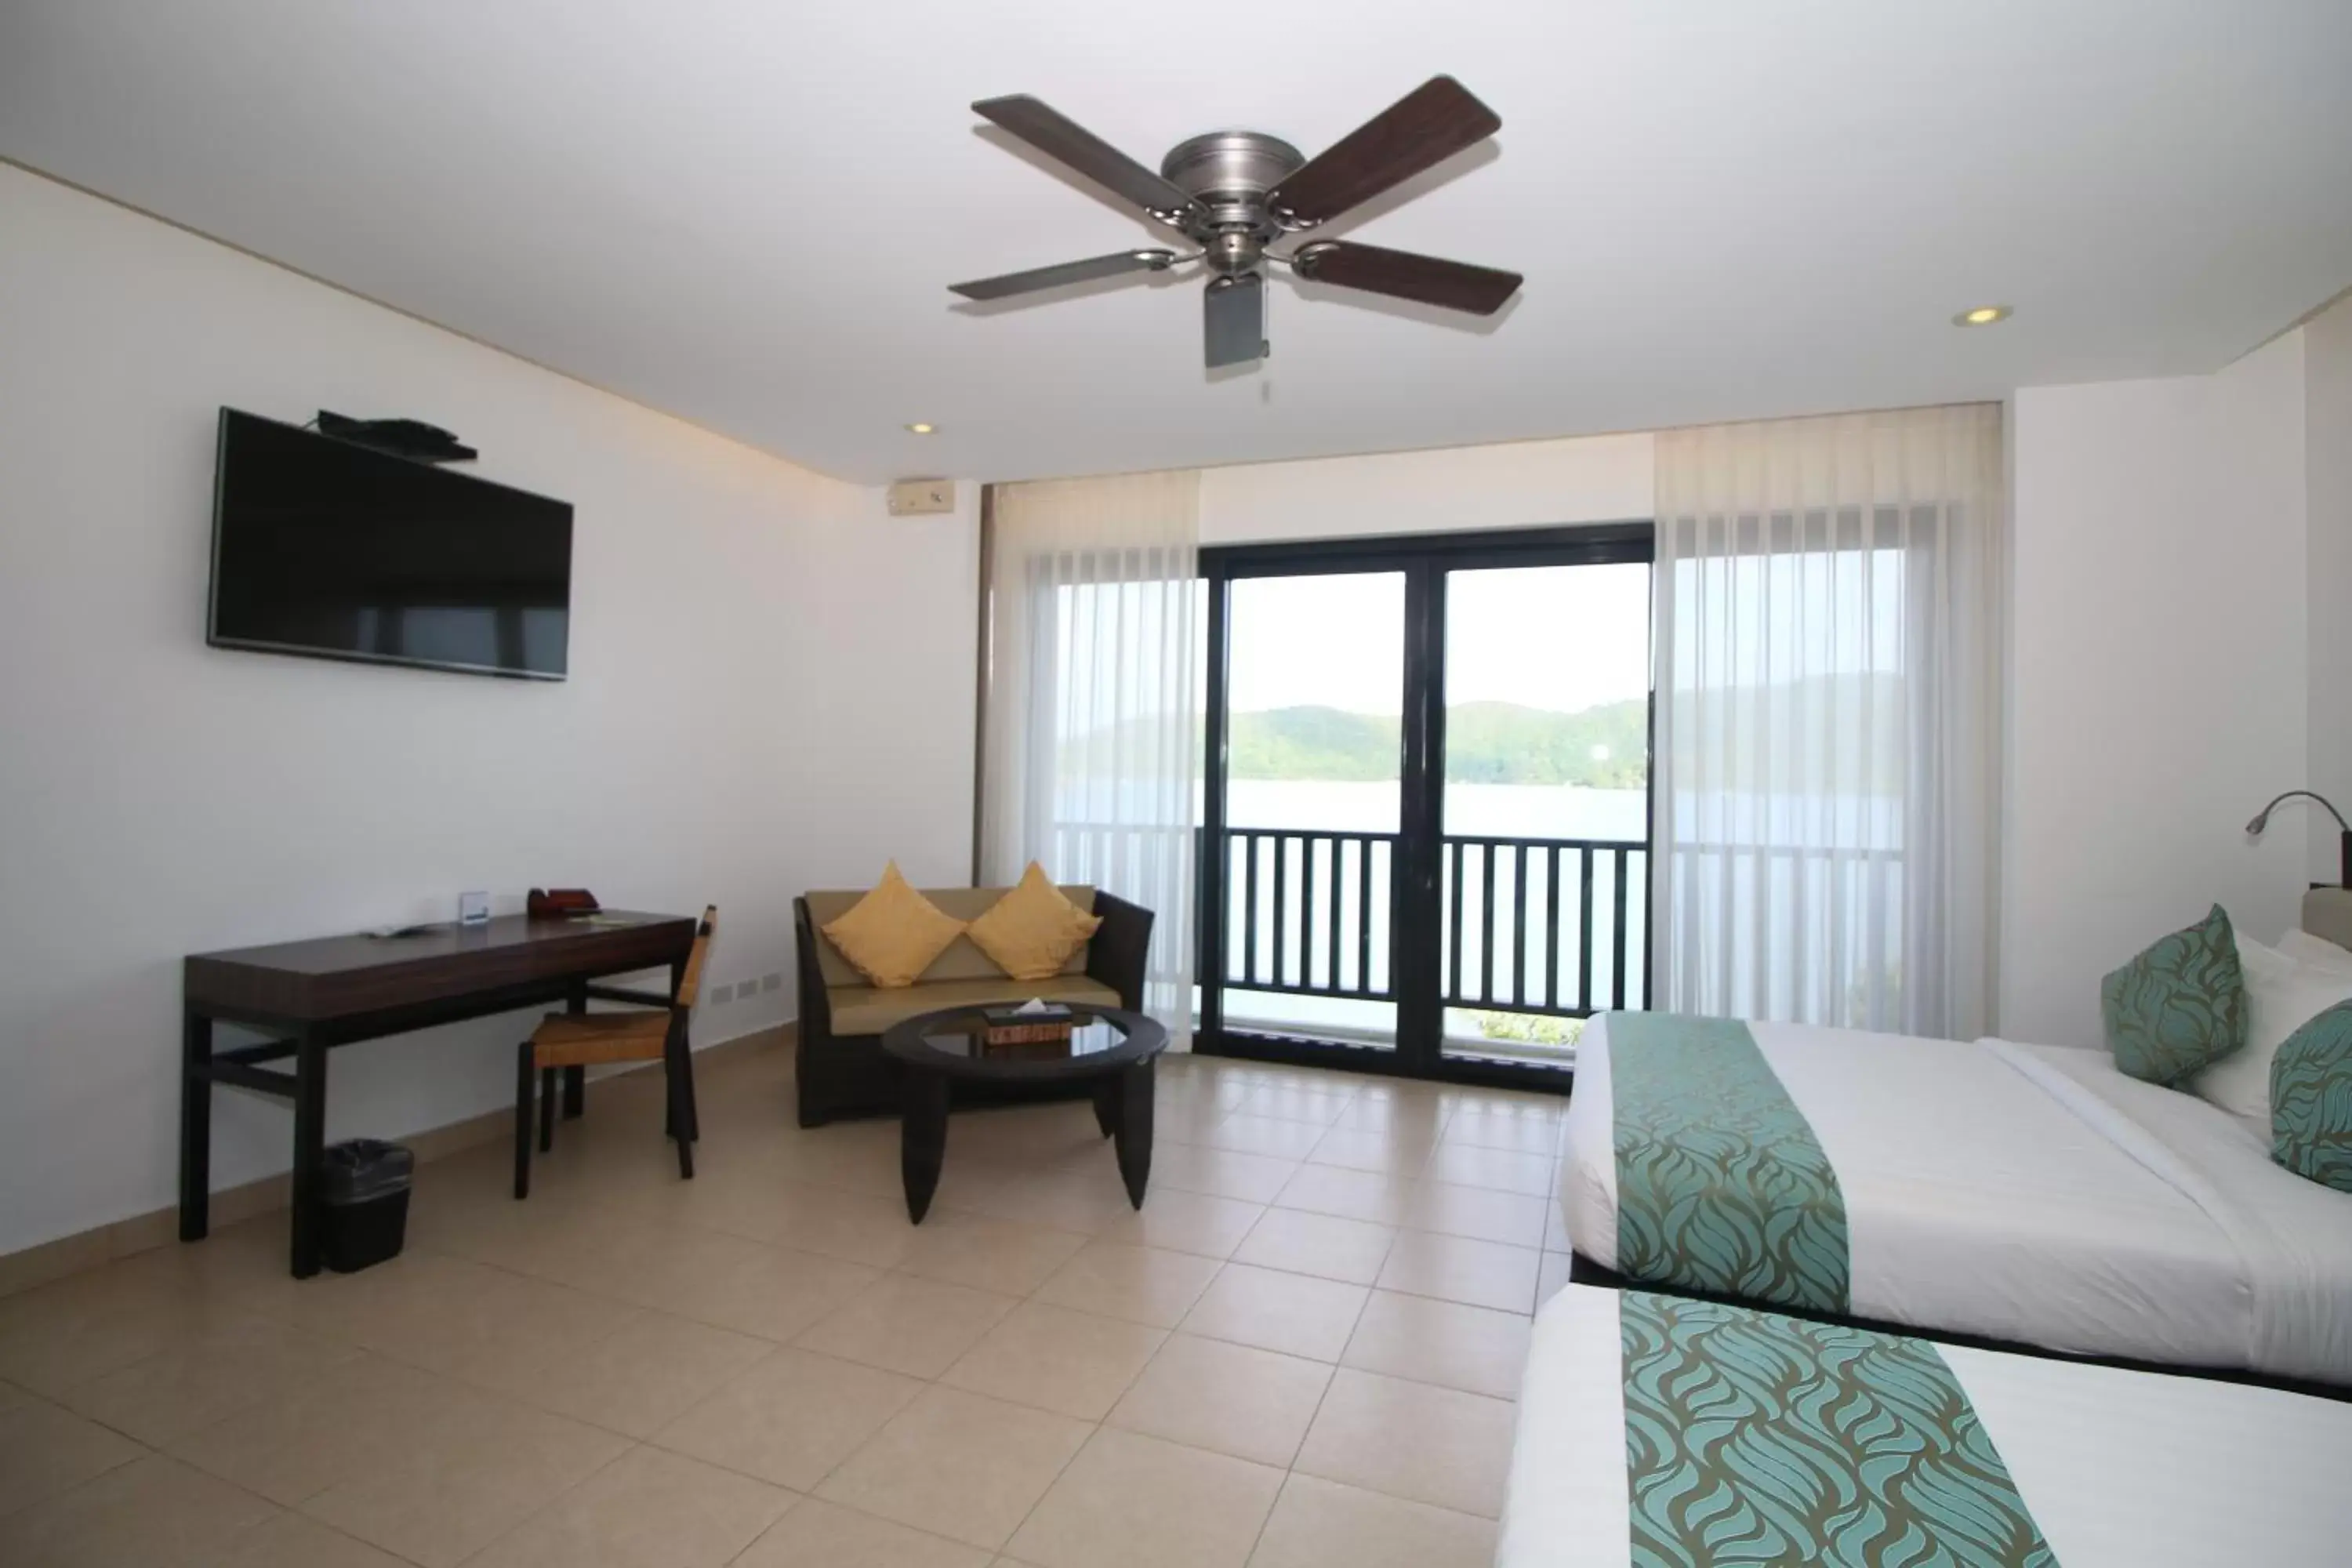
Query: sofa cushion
column 1032, row 932
column 869, row 1010
column 893, row 933
column 961, row 961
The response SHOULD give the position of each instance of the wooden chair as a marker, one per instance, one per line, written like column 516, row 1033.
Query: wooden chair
column 654, row 1032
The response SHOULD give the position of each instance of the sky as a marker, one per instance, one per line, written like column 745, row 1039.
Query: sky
column 1562, row 638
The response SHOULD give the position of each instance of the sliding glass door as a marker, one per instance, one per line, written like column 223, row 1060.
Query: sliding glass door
column 1424, row 844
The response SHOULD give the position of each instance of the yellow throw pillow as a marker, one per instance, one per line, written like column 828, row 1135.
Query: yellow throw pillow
column 1032, row 929
column 893, row 933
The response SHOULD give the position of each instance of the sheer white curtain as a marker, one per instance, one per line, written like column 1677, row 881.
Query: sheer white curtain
column 1827, row 760
column 1091, row 761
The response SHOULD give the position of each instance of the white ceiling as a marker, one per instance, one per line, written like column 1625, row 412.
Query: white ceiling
column 747, row 213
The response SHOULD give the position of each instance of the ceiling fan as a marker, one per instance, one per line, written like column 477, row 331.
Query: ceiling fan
column 1235, row 192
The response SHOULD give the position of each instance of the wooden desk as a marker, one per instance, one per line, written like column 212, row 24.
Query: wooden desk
column 333, row 991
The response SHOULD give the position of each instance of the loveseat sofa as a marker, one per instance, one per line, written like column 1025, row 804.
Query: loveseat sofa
column 841, row 1069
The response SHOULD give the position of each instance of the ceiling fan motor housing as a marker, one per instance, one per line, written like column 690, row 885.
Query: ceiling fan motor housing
column 1229, row 173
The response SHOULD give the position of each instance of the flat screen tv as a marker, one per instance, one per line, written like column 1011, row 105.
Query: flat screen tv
column 324, row 547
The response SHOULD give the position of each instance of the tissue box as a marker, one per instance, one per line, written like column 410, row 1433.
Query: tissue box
column 1030, row 1024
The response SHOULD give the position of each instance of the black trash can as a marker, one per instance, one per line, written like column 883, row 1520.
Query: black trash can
column 363, row 1203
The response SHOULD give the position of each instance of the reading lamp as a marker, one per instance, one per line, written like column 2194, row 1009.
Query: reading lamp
column 2262, row 819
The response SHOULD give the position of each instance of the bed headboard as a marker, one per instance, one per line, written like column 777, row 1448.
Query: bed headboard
column 2327, row 914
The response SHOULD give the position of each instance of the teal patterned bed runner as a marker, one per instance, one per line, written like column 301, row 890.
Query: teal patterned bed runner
column 1755, row 1438
column 1720, row 1184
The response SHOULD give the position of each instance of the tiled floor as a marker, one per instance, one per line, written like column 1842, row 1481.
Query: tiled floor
column 1303, row 1350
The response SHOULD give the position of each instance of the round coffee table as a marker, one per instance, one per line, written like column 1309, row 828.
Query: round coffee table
column 1110, row 1046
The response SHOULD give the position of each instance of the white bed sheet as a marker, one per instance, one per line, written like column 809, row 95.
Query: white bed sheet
column 2120, row 1469
column 2034, row 1193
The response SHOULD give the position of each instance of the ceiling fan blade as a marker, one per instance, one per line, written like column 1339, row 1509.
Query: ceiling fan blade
column 1086, row 271
column 1403, row 275
column 1072, row 144
column 1419, row 130
column 1233, row 320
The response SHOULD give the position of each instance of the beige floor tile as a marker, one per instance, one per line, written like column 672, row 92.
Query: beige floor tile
column 154, row 1512
column 292, row 1540
column 238, row 1360
column 442, row 1499
column 791, row 1418
column 1132, row 1501
column 1475, row 1349
column 1525, row 1132
column 777, row 1293
column 1142, row 1284
column 1182, row 1221
column 1319, row 1244
column 737, row 1192
column 1002, row 1255
column 1234, row 1399
column 1072, row 1363
column 960, row 1465
column 1482, row 1214
column 1470, row 1165
column 648, row 1508
column 1390, row 1153
column 1319, row 1101
column 1221, row 1172
column 295, row 1446
column 1294, row 1313
column 1456, row 1269
column 909, row 1325
column 1378, row 1196
column 406, row 1307
column 1411, row 1110
column 62, row 1335
column 478, row 1328
column 45, row 1450
column 819, row 1534
column 1413, row 1440
column 637, row 1379
column 856, row 1227
column 1266, row 1135
column 1086, row 1198
column 1322, row 1524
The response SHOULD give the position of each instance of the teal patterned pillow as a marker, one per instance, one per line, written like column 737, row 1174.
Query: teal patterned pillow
column 2311, row 1100
column 2177, row 1006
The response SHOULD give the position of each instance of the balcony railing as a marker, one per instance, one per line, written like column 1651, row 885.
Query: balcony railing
column 1549, row 926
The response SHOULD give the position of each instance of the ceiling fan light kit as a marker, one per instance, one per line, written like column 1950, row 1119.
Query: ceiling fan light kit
column 1234, row 193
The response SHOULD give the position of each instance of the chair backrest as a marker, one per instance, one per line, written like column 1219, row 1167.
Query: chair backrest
column 691, row 981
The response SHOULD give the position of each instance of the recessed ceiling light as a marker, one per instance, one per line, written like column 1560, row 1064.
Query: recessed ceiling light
column 920, row 428
column 1982, row 316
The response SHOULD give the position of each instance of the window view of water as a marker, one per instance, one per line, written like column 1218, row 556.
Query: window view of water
column 1544, row 868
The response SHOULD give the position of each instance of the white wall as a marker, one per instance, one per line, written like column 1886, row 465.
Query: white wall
column 2328, row 469
column 2158, row 673
column 1597, row 478
column 770, row 689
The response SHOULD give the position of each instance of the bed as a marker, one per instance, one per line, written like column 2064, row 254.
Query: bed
column 2022, row 1194
column 1661, row 1429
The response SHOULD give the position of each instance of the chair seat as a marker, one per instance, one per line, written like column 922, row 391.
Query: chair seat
column 585, row 1039
column 869, row 1009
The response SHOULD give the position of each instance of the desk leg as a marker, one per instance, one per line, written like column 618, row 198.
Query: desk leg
column 195, row 1125
column 575, row 1079
column 310, row 1141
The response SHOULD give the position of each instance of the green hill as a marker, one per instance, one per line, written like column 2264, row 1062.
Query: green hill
column 1487, row 742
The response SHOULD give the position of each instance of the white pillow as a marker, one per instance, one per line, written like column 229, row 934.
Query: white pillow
column 2305, row 948
column 2282, row 994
